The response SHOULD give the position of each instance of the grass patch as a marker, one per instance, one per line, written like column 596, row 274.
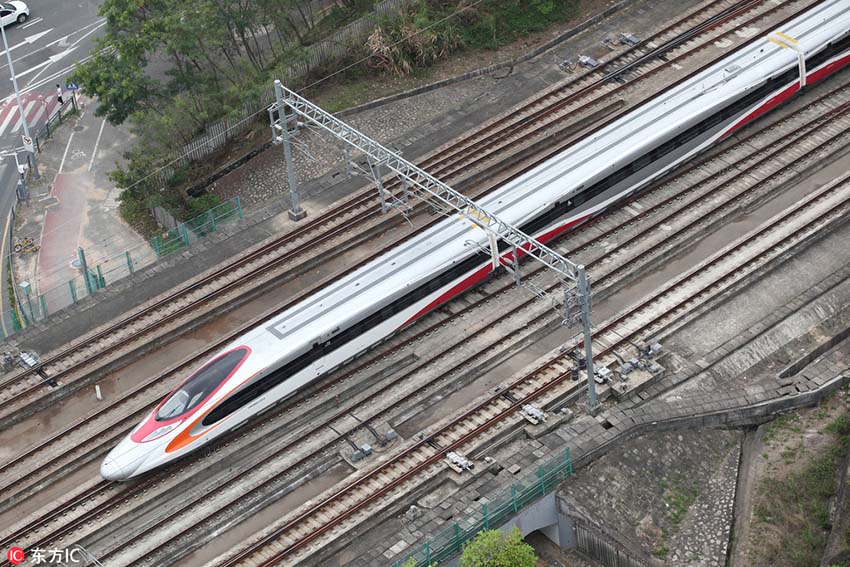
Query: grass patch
column 679, row 500
column 661, row 551
column 679, row 503
column 803, row 506
column 797, row 507
column 501, row 22
column 840, row 426
column 778, row 425
column 789, row 454
column 137, row 214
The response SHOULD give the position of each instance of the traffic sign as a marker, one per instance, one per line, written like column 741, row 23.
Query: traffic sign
column 71, row 86
column 28, row 145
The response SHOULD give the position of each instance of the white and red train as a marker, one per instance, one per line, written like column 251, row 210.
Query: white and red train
column 271, row 362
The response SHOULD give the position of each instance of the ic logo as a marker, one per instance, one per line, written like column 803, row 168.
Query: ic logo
column 15, row 555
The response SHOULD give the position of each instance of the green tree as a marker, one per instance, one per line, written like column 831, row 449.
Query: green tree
column 207, row 56
column 493, row 548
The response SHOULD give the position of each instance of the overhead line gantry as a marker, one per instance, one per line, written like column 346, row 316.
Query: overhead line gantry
column 444, row 199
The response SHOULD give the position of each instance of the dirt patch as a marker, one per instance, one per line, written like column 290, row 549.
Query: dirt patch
column 794, row 474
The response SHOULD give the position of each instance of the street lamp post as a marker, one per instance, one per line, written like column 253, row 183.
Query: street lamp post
column 20, row 103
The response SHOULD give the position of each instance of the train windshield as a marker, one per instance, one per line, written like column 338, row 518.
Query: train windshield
column 197, row 388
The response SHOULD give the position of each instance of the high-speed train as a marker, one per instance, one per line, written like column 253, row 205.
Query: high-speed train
column 312, row 337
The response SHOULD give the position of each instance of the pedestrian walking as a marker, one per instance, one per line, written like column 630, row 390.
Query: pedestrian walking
column 59, row 95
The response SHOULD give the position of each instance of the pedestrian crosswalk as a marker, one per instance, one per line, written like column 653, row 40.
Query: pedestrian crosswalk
column 37, row 108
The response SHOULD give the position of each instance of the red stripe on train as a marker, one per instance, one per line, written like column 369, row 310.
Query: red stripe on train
column 775, row 100
column 478, row 275
column 789, row 91
column 828, row 69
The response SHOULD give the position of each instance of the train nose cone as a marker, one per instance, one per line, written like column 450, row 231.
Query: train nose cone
column 124, row 460
column 117, row 469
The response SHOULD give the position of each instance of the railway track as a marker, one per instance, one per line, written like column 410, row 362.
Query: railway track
column 107, row 347
column 781, row 139
column 96, row 432
column 346, row 507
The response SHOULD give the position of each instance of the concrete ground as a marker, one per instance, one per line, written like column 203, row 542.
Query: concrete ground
column 670, row 494
column 74, row 206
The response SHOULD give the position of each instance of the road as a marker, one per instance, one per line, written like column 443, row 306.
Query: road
column 44, row 50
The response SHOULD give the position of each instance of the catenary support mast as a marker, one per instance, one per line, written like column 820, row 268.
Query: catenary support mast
column 444, row 199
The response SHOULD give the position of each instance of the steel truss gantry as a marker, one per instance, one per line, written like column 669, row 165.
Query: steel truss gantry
column 445, row 199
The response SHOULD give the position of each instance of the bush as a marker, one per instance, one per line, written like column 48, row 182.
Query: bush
column 414, row 40
column 493, row 548
column 202, row 204
column 134, row 210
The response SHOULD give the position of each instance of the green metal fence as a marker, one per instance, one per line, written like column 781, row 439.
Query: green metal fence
column 187, row 232
column 96, row 272
column 494, row 513
column 55, row 120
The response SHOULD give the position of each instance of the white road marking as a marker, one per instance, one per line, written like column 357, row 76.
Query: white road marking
column 43, row 69
column 71, row 137
column 96, row 142
column 9, row 115
column 20, row 121
column 50, row 61
column 38, row 115
column 27, row 40
column 54, row 58
column 32, row 23
column 62, row 42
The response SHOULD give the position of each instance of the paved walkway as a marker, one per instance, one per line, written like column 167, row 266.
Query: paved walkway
column 74, row 205
column 63, row 222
